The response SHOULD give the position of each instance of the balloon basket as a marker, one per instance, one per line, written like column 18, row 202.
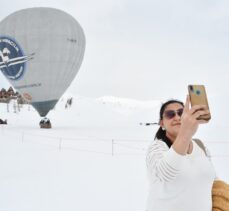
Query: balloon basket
column 45, row 123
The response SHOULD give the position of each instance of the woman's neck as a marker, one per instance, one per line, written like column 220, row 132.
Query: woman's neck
column 171, row 137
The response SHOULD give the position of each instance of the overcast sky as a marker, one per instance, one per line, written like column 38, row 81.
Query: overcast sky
column 149, row 49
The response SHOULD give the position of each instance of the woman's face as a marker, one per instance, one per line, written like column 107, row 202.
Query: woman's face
column 171, row 120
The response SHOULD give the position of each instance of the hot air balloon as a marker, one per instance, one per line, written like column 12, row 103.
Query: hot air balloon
column 41, row 51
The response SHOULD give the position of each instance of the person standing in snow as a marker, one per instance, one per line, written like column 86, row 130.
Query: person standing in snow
column 180, row 172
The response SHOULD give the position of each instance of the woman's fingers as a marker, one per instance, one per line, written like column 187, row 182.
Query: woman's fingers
column 197, row 108
column 199, row 113
column 193, row 114
column 202, row 121
column 187, row 103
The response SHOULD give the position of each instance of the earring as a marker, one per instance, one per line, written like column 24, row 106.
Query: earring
column 163, row 128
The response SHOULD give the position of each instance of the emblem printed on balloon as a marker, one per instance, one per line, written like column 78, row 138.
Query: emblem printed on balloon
column 12, row 59
column 27, row 96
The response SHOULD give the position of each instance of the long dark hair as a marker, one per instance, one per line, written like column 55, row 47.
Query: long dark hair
column 161, row 134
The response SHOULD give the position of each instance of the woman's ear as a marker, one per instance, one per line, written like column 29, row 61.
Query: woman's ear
column 161, row 124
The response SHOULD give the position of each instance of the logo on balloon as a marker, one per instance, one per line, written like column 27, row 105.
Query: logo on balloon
column 27, row 96
column 12, row 59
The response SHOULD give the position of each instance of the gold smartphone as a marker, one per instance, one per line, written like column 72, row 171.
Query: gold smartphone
column 198, row 96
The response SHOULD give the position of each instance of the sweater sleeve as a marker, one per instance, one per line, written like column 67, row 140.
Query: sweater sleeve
column 163, row 163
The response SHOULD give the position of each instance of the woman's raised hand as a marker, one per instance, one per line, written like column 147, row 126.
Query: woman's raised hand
column 189, row 118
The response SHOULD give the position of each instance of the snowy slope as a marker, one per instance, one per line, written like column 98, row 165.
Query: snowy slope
column 92, row 159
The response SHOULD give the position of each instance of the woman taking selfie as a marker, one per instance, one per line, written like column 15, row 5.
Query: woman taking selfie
column 180, row 172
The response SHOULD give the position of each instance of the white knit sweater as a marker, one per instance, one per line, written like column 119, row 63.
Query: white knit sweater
column 179, row 182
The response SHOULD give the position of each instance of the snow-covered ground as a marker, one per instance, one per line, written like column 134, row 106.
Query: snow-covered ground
column 92, row 159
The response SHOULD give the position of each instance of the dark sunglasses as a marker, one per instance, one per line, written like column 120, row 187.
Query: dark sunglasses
column 169, row 114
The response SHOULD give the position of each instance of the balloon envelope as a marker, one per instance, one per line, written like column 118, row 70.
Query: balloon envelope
column 41, row 51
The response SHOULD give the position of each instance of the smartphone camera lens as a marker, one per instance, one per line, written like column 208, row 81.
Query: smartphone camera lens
column 198, row 92
column 191, row 88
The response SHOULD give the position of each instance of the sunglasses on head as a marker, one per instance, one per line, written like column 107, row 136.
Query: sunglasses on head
column 169, row 114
